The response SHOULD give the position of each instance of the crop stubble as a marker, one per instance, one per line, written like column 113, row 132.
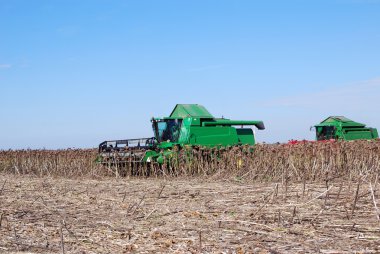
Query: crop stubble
column 307, row 198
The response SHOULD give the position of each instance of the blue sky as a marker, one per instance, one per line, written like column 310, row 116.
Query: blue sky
column 75, row 73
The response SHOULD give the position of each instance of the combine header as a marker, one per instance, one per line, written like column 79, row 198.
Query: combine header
column 342, row 128
column 189, row 125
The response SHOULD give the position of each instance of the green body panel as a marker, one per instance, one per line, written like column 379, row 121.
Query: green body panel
column 245, row 136
column 192, row 125
column 213, row 136
column 342, row 128
column 375, row 134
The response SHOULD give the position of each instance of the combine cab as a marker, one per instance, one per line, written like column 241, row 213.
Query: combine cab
column 188, row 125
column 342, row 128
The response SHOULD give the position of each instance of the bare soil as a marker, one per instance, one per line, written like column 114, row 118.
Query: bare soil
column 138, row 215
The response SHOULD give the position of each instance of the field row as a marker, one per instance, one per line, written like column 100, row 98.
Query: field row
column 309, row 161
column 122, row 215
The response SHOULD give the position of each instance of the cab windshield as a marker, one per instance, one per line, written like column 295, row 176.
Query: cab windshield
column 325, row 132
column 167, row 130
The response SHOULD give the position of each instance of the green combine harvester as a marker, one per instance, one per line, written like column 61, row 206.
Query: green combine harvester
column 189, row 125
column 342, row 128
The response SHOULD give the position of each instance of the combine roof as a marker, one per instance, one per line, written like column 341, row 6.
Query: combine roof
column 340, row 120
column 190, row 110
